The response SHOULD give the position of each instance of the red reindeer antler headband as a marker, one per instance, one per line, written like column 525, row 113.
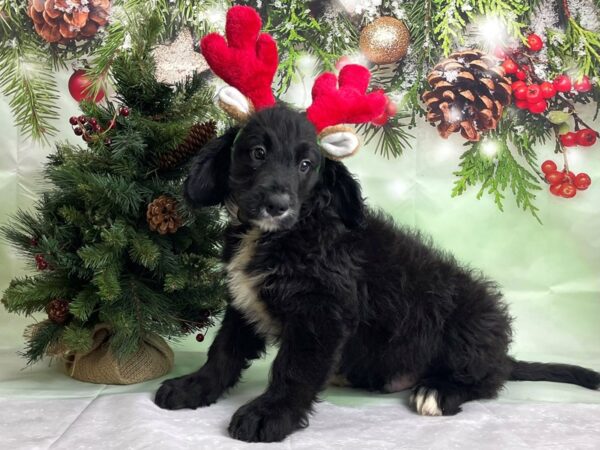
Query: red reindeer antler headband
column 248, row 61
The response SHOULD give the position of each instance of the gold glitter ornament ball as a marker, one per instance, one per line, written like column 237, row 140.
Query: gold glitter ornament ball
column 385, row 40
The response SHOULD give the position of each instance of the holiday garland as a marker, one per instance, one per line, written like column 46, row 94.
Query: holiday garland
column 536, row 42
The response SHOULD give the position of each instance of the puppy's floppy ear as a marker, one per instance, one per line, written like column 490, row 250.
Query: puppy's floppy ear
column 206, row 185
column 346, row 196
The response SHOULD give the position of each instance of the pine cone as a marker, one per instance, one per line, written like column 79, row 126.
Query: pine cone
column 199, row 135
column 58, row 311
column 162, row 215
column 469, row 93
column 61, row 21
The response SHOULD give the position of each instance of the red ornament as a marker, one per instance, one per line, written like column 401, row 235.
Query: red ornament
column 199, row 337
column 586, row 137
column 534, row 42
column 79, row 87
column 520, row 74
column 538, row 107
column 534, row 93
column 520, row 92
column 562, row 83
column 582, row 181
column 548, row 166
column 555, row 177
column 568, row 190
column 583, row 85
column 568, row 139
column 547, row 90
column 509, row 66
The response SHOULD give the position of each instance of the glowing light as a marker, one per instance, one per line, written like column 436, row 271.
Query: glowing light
column 489, row 148
column 491, row 31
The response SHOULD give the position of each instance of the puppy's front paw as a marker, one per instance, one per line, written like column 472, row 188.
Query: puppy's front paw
column 190, row 391
column 265, row 421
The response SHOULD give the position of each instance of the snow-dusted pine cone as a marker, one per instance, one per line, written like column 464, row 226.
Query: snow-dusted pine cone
column 468, row 93
column 61, row 21
column 162, row 215
column 58, row 311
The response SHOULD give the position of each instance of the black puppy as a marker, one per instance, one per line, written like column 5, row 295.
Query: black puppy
column 345, row 293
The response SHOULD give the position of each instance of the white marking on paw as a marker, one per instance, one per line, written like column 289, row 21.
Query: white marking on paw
column 425, row 402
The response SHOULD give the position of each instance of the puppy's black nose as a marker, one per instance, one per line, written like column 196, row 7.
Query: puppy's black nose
column 277, row 204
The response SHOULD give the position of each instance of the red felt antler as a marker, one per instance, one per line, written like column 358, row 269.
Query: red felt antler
column 247, row 61
column 346, row 103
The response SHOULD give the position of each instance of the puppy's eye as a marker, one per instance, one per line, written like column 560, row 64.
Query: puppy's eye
column 258, row 152
column 305, row 165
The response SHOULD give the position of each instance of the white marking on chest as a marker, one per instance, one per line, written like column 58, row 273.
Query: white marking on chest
column 244, row 288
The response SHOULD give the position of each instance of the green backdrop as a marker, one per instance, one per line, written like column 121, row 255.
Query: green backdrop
column 550, row 273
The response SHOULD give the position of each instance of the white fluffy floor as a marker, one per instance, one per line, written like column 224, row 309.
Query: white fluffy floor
column 42, row 409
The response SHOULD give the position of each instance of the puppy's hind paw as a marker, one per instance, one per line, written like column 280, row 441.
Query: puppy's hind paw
column 426, row 401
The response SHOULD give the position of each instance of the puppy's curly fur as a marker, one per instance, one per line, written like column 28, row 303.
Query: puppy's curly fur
column 346, row 293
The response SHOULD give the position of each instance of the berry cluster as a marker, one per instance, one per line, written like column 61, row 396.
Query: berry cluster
column 584, row 137
column 529, row 91
column 91, row 131
column 564, row 183
column 41, row 262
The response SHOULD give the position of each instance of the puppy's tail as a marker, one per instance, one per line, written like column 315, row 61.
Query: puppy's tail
column 559, row 373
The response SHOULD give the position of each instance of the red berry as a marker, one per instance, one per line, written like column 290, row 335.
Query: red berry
column 538, row 107
column 556, row 188
column 548, row 166
column 93, row 121
column 582, row 181
column 499, row 53
column 568, row 190
column 520, row 92
column 520, row 74
column 73, row 120
column 33, row 242
column 78, row 131
column 82, row 119
column 391, row 109
column 534, row 42
column 586, row 137
column 534, row 93
column 547, row 90
column 124, row 111
column 555, row 177
column 583, row 85
column 509, row 66
column 521, row 104
column 112, row 124
column 517, row 84
column 199, row 337
column 568, row 139
column 562, row 83
column 569, row 177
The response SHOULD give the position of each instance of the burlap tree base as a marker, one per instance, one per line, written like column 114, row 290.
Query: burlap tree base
column 153, row 359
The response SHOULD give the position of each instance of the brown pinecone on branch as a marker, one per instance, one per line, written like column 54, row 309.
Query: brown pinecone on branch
column 58, row 311
column 162, row 215
column 468, row 94
column 198, row 136
column 61, row 21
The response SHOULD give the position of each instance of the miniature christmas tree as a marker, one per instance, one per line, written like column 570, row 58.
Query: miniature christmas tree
column 112, row 239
